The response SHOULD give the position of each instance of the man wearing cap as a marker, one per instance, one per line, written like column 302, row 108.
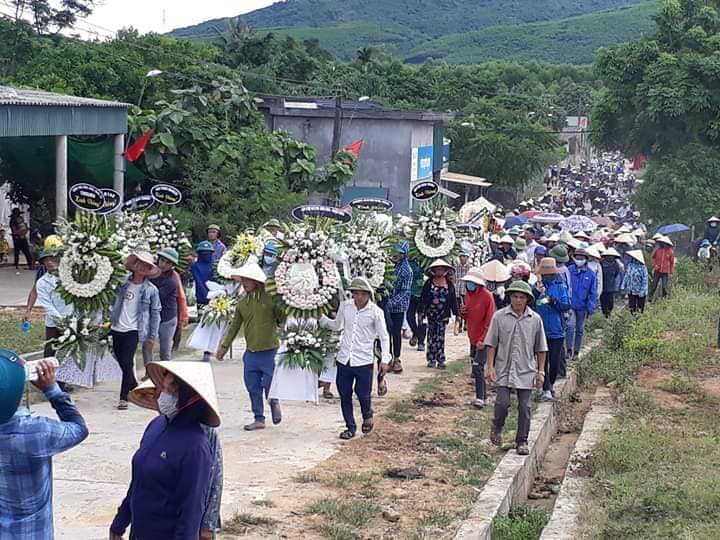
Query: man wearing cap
column 478, row 310
column 399, row 302
column 213, row 236
column 167, row 284
column 27, row 445
column 260, row 319
column 361, row 323
column 461, row 268
column 269, row 258
column 552, row 303
column 49, row 298
column 515, row 360
column 271, row 230
column 663, row 260
column 135, row 318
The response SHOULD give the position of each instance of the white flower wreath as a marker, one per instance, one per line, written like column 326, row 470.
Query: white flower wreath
column 448, row 242
column 103, row 272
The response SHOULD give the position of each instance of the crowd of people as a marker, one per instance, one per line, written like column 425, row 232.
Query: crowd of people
column 524, row 310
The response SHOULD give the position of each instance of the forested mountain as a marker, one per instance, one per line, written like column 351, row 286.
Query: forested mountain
column 457, row 31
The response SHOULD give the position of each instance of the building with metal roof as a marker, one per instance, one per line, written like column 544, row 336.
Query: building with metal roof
column 36, row 113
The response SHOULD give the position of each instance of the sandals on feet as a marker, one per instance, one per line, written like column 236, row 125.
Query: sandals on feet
column 382, row 385
column 367, row 426
column 347, row 435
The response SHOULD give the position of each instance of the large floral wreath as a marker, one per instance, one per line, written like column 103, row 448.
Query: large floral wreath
column 244, row 247
column 472, row 239
column 90, row 268
column 306, row 279
column 432, row 233
column 366, row 248
column 307, row 345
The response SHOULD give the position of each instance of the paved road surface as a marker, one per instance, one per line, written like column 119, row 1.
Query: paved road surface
column 14, row 287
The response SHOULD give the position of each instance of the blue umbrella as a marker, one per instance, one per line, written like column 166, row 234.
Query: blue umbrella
column 674, row 228
column 515, row 221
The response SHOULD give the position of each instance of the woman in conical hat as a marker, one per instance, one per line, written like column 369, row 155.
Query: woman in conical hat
column 146, row 396
column 171, row 471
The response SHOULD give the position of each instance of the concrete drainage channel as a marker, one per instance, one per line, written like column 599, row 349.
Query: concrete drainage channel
column 551, row 475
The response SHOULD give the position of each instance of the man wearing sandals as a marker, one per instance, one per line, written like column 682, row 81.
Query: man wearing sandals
column 516, row 349
column 361, row 323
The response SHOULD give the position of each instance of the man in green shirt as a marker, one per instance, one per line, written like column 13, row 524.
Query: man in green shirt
column 260, row 319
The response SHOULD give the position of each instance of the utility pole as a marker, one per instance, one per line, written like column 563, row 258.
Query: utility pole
column 337, row 126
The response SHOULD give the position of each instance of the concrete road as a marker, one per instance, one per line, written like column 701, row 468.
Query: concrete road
column 91, row 480
column 15, row 286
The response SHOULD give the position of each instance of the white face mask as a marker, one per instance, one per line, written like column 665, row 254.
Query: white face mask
column 167, row 404
column 500, row 291
column 580, row 263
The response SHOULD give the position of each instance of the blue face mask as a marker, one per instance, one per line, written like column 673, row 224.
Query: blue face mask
column 470, row 286
column 269, row 259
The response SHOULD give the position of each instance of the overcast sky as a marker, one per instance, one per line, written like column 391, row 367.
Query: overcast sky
column 165, row 15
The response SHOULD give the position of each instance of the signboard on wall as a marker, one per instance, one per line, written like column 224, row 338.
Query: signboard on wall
column 446, row 155
column 421, row 163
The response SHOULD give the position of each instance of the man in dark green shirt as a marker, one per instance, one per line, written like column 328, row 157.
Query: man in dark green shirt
column 260, row 320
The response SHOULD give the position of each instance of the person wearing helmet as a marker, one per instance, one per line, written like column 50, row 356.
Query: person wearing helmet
column 49, row 298
column 168, row 284
column 27, row 446
column 516, row 353
column 361, row 322
column 399, row 302
column 437, row 302
column 269, row 258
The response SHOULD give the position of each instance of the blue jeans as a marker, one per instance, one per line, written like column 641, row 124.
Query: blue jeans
column 258, row 373
column 576, row 330
column 361, row 377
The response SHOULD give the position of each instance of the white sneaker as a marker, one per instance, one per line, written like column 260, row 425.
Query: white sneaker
column 547, row 396
column 479, row 403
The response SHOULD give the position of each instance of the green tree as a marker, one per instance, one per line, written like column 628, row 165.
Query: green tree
column 661, row 100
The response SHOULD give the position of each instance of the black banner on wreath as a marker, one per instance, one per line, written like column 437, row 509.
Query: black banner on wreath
column 314, row 210
column 138, row 204
column 86, row 197
column 424, row 191
column 111, row 200
column 368, row 204
column 166, row 194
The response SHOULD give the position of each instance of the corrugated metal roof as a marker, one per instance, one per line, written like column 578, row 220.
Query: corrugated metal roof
column 39, row 98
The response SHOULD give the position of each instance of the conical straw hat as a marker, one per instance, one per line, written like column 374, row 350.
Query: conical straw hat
column 143, row 395
column 495, row 271
column 637, row 255
column 197, row 375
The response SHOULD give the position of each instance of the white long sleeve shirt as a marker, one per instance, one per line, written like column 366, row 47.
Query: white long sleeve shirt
column 50, row 299
column 359, row 330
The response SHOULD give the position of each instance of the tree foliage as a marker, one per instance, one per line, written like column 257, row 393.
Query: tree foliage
column 661, row 100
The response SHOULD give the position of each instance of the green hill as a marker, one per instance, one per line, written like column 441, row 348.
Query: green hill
column 457, row 31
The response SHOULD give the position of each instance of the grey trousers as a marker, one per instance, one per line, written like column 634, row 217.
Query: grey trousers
column 165, row 339
column 502, row 406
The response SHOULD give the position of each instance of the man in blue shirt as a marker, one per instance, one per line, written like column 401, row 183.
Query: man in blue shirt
column 27, row 445
column 583, row 299
column 399, row 302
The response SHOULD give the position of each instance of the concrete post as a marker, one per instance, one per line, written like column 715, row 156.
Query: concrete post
column 61, row 176
column 119, row 165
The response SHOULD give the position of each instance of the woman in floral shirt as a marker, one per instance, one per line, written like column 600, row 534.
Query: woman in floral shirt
column 635, row 281
column 437, row 302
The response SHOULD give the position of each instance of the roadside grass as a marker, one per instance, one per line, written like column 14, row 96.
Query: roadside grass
column 242, row 523
column 11, row 337
column 522, row 523
column 344, row 517
column 654, row 472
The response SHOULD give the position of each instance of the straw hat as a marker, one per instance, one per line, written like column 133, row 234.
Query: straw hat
column 143, row 395
column 665, row 240
column 565, row 236
column 197, row 375
column 495, row 271
column 637, row 255
column 547, row 266
column 593, row 252
column 713, row 219
column 626, row 239
column 657, row 236
column 555, row 237
column 474, row 275
column 575, row 243
column 142, row 256
column 439, row 263
column 582, row 236
column 250, row 271
column 213, row 227
column 612, row 252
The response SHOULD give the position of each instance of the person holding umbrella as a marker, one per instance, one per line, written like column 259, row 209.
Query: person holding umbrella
column 516, row 350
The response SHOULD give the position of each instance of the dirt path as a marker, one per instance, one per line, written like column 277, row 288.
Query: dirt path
column 91, row 480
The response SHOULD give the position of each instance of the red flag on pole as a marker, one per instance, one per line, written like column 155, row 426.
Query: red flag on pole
column 355, row 147
column 136, row 150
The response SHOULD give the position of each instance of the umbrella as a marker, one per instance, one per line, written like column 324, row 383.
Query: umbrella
column 515, row 221
column 547, row 217
column 531, row 213
column 674, row 228
column 604, row 221
column 578, row 223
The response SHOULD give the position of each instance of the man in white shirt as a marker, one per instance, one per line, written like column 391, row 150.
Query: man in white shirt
column 49, row 298
column 361, row 322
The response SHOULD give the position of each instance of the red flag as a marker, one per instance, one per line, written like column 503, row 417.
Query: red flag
column 136, row 150
column 355, row 147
